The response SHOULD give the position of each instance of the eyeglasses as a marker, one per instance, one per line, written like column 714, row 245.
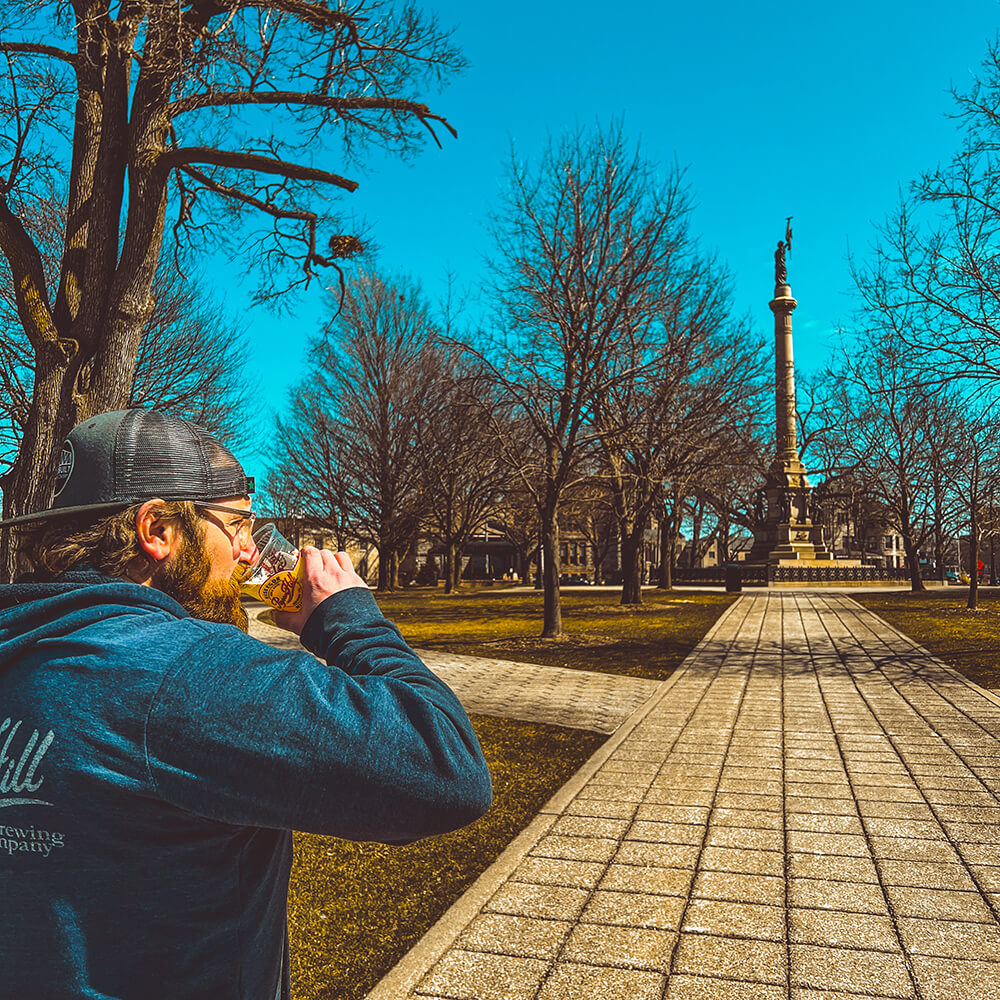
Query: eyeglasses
column 242, row 536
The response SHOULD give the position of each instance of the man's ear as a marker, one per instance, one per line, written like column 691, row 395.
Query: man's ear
column 158, row 537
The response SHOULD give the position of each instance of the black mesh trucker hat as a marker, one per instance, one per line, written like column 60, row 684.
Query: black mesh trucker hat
column 114, row 460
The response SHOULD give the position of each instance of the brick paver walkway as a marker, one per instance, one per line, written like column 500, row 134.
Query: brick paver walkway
column 808, row 810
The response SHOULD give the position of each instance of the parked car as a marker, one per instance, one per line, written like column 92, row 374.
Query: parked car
column 574, row 580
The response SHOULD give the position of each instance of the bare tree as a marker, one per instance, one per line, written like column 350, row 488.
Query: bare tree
column 585, row 246
column 974, row 474
column 935, row 258
column 350, row 452
column 676, row 408
column 891, row 424
column 219, row 110
column 461, row 477
column 588, row 510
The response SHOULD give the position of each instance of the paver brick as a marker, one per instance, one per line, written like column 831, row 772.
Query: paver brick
column 572, row 981
column 750, row 862
column 911, row 849
column 851, row 970
column 511, row 935
column 740, row 888
column 950, row 938
column 556, row 871
column 729, row 919
column 858, row 897
column 956, row 979
column 937, row 904
column 598, row 849
column 730, row 958
column 833, row 844
column 711, row 988
column 636, row 878
column 478, row 976
column 637, row 852
column 747, row 818
column 841, row 869
column 665, row 833
column 820, row 823
column 589, row 826
column 526, row 899
column 926, row 875
column 833, row 928
column 634, row 909
column 625, row 947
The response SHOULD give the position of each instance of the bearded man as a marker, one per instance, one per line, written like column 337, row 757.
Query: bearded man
column 154, row 758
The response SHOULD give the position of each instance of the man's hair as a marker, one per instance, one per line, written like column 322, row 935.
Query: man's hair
column 107, row 544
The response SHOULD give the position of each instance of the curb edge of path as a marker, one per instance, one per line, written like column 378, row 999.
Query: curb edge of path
column 400, row 980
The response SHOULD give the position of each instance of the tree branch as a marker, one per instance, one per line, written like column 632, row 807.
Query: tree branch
column 318, row 15
column 174, row 158
column 29, row 279
column 228, row 191
column 37, row 49
column 215, row 99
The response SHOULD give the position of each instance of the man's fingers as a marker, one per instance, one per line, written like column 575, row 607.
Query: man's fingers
column 344, row 561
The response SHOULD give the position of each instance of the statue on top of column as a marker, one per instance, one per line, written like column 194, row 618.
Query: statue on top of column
column 780, row 270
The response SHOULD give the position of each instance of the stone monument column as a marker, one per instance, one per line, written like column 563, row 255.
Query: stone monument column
column 785, row 532
column 782, row 305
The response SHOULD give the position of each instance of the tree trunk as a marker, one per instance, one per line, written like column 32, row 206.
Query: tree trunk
column 456, row 569
column 384, row 567
column 696, row 517
column 29, row 483
column 913, row 562
column 668, row 541
column 631, row 541
column 552, row 612
column 973, row 600
column 449, row 583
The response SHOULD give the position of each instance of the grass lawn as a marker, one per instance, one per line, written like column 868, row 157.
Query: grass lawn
column 355, row 909
column 599, row 634
column 938, row 619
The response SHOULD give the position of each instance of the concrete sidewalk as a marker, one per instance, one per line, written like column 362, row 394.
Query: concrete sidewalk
column 807, row 809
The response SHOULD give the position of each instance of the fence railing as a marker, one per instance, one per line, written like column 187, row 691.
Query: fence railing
column 761, row 575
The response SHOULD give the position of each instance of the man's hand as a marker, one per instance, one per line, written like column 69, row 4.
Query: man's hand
column 324, row 573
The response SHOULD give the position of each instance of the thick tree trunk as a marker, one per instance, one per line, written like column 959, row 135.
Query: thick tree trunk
column 456, row 570
column 29, row 483
column 631, row 542
column 551, row 609
column 913, row 563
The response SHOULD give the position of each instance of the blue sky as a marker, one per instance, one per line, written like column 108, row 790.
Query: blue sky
column 817, row 111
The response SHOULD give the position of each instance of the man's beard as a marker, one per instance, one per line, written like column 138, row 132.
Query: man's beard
column 186, row 579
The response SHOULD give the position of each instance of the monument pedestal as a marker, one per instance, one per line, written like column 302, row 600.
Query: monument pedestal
column 785, row 532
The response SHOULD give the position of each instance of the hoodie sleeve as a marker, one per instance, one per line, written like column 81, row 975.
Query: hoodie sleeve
column 372, row 746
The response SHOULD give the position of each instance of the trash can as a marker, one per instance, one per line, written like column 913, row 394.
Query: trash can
column 734, row 578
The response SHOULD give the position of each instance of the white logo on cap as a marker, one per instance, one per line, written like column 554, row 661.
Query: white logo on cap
column 65, row 469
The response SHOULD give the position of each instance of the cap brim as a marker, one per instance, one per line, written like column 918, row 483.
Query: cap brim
column 54, row 512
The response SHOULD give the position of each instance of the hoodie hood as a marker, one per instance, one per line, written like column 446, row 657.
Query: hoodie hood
column 36, row 608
